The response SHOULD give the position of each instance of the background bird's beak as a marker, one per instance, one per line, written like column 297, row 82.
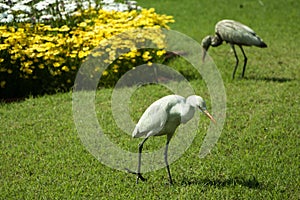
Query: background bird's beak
column 204, row 54
column 209, row 116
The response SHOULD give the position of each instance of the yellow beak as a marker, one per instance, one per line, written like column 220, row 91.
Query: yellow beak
column 209, row 116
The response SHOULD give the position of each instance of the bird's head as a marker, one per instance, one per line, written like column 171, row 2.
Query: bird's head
column 210, row 41
column 206, row 42
column 197, row 102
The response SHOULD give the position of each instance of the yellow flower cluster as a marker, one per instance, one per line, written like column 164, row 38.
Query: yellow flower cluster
column 35, row 51
column 129, row 49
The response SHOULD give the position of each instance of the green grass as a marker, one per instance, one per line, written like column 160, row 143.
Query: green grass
column 256, row 157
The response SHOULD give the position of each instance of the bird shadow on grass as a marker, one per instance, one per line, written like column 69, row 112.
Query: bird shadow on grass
column 249, row 182
column 269, row 79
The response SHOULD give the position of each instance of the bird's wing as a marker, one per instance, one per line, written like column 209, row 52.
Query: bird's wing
column 236, row 33
column 156, row 116
column 243, row 28
column 152, row 121
column 232, row 26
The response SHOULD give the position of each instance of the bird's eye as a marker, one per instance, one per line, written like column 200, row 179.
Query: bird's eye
column 200, row 108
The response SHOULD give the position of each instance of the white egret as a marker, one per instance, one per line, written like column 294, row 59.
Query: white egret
column 234, row 33
column 162, row 118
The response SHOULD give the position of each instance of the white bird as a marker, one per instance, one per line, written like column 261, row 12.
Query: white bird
column 162, row 118
column 232, row 32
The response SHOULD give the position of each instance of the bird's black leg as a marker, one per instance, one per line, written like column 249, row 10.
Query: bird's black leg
column 166, row 161
column 139, row 175
column 245, row 61
column 237, row 60
column 155, row 74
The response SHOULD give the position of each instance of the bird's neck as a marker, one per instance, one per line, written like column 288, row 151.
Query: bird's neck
column 216, row 41
column 187, row 113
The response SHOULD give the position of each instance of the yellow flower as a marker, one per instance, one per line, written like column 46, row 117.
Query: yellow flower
column 82, row 54
column 138, row 53
column 104, row 73
column 41, row 66
column 2, row 84
column 9, row 71
column 160, row 53
column 28, row 64
column 4, row 46
column 28, row 71
column 131, row 54
column 12, row 29
column 56, row 64
column 151, row 10
column 65, row 68
column 146, row 56
column 39, row 55
column 115, row 66
column 73, row 55
column 55, row 73
column 85, row 48
column 64, row 28
column 77, row 13
column 6, row 34
column 82, row 24
column 21, row 30
column 96, row 54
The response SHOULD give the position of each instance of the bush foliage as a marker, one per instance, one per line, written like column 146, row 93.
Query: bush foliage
column 43, row 58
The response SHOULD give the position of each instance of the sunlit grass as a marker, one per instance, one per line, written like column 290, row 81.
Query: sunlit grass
column 256, row 155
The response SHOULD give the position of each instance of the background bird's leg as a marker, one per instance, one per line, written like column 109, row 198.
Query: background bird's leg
column 245, row 61
column 139, row 176
column 237, row 60
column 166, row 160
column 155, row 73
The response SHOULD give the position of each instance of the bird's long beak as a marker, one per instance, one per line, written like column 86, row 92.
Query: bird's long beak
column 209, row 116
column 204, row 54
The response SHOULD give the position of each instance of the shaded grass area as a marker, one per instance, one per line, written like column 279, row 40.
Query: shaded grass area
column 256, row 157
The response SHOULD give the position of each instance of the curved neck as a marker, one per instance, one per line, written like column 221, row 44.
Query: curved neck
column 187, row 113
column 216, row 40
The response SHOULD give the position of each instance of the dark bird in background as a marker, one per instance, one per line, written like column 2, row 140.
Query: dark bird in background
column 234, row 33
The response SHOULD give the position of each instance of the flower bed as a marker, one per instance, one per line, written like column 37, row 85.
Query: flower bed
column 37, row 58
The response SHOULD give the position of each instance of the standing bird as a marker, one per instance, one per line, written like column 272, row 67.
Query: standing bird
column 232, row 32
column 162, row 118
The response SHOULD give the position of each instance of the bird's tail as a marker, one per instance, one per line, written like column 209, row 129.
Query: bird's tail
column 259, row 42
column 263, row 45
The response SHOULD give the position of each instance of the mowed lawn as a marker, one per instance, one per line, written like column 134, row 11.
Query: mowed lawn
column 256, row 157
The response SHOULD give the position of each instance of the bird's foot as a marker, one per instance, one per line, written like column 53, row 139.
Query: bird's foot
column 170, row 183
column 139, row 175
